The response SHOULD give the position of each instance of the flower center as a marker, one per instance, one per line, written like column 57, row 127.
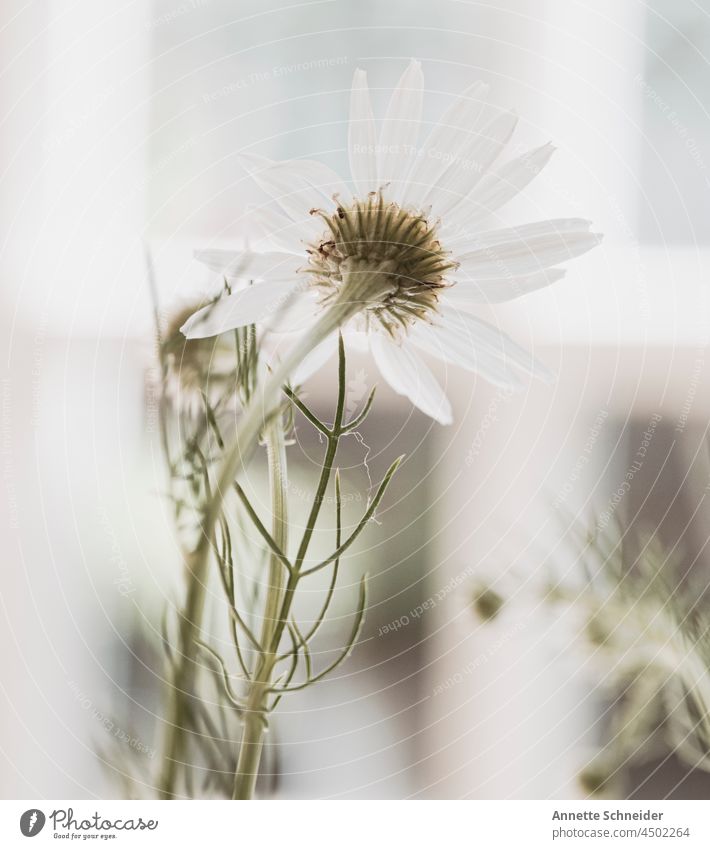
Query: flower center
column 386, row 258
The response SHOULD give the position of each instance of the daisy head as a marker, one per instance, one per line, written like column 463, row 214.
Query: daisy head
column 218, row 367
column 188, row 362
column 409, row 247
column 387, row 258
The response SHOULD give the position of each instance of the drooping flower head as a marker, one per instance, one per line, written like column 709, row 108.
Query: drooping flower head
column 209, row 368
column 411, row 247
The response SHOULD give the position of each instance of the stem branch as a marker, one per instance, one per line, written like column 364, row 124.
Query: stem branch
column 255, row 716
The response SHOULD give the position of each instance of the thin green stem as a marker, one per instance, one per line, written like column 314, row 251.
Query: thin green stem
column 358, row 289
column 349, row 646
column 259, row 525
column 341, row 549
column 185, row 674
column 336, row 565
column 255, row 716
column 312, row 418
column 260, row 689
column 359, row 419
column 257, row 414
column 333, row 437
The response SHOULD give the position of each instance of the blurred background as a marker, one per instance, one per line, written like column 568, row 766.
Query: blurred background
column 121, row 126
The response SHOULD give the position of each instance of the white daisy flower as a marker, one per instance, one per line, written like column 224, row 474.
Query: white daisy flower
column 403, row 257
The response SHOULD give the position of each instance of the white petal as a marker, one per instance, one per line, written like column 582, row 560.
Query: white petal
column 518, row 256
column 285, row 183
column 314, row 361
column 273, row 229
column 408, row 375
column 318, row 175
column 243, row 307
column 398, row 137
column 362, row 138
column 302, row 306
column 465, row 294
column 307, row 172
column 249, row 265
column 357, row 340
column 533, row 230
column 489, row 339
column 481, row 151
column 459, row 349
column 498, row 187
column 445, row 142
column 461, row 244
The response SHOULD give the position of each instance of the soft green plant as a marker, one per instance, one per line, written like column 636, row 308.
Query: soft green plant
column 276, row 659
column 645, row 628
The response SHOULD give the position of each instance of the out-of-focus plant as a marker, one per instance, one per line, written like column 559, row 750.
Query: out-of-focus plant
column 644, row 625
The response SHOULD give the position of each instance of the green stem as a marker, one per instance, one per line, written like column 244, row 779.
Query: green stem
column 252, row 743
column 357, row 290
column 255, row 714
column 278, row 604
column 333, row 438
column 278, row 482
column 184, row 677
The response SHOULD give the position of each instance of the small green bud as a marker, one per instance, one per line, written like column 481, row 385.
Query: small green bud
column 593, row 780
column 487, row 603
column 597, row 633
